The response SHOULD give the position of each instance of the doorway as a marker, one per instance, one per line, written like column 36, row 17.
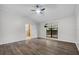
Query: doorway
column 28, row 31
column 51, row 30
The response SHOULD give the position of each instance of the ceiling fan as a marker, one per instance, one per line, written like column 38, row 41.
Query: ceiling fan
column 38, row 9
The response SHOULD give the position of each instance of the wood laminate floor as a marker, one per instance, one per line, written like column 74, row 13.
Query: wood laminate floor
column 39, row 47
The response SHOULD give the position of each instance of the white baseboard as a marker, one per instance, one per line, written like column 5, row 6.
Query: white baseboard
column 12, row 41
column 59, row 40
column 1, row 43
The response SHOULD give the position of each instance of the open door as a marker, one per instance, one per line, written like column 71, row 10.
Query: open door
column 28, row 31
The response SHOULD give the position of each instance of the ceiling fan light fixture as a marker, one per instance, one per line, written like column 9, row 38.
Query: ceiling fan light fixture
column 38, row 11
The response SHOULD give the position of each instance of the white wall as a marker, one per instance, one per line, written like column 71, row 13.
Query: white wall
column 12, row 26
column 66, row 28
column 77, row 25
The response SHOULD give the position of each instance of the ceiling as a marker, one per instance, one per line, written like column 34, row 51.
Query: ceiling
column 52, row 12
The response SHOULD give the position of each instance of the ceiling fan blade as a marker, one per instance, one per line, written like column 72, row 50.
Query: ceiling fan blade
column 32, row 10
column 37, row 6
column 41, row 13
column 43, row 9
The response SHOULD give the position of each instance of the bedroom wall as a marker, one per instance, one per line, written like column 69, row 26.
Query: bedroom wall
column 66, row 28
column 12, row 26
column 77, row 25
